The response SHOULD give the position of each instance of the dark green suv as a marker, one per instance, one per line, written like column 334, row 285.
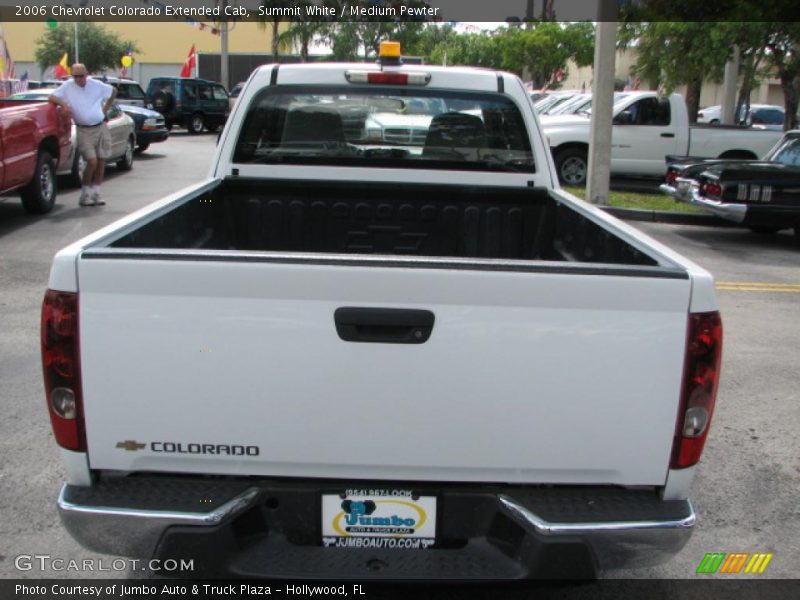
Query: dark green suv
column 195, row 104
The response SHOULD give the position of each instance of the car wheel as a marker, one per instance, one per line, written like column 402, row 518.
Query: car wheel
column 196, row 124
column 572, row 166
column 142, row 147
column 714, row 122
column 78, row 167
column 39, row 196
column 126, row 162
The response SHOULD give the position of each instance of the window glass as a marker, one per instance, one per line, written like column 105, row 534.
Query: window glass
column 789, row 153
column 650, row 111
column 767, row 116
column 189, row 92
column 392, row 128
column 129, row 91
column 219, row 93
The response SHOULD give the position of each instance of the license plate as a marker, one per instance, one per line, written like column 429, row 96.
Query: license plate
column 378, row 518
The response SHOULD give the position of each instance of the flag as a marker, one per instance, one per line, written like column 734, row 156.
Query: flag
column 189, row 65
column 123, row 72
column 62, row 68
column 7, row 70
column 21, row 85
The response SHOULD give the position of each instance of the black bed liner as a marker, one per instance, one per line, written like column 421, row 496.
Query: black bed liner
column 387, row 219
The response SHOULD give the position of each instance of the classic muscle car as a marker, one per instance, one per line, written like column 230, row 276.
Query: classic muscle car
column 763, row 195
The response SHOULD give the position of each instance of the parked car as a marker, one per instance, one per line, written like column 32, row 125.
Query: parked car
column 581, row 103
column 123, row 138
column 235, row 91
column 195, row 104
column 552, row 99
column 763, row 195
column 34, row 140
column 770, row 116
column 148, row 124
column 646, row 128
column 129, row 92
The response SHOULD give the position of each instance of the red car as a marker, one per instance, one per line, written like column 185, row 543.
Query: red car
column 34, row 143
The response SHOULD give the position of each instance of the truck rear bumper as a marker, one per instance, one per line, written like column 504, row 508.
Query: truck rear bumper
column 258, row 528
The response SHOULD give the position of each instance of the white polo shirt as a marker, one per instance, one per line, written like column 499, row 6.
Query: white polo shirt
column 85, row 102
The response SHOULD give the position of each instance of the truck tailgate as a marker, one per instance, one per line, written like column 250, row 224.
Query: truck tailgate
column 234, row 366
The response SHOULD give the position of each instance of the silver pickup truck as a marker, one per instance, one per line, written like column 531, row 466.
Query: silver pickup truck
column 341, row 356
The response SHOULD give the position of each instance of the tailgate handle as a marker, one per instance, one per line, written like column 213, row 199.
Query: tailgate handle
column 668, row 135
column 384, row 325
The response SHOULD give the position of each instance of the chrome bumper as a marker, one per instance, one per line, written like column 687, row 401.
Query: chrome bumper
column 136, row 532
column 616, row 545
column 687, row 191
column 568, row 520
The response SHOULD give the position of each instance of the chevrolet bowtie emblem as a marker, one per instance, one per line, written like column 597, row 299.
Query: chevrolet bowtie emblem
column 131, row 445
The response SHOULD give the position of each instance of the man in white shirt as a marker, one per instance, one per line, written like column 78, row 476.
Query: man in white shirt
column 87, row 101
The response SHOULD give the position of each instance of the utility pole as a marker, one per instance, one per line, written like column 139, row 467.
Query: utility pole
column 77, row 56
column 223, row 35
column 605, row 50
column 728, row 116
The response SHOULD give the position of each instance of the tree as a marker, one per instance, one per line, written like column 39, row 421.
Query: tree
column 274, row 23
column 98, row 48
column 783, row 54
column 474, row 49
column 351, row 40
column 545, row 48
column 302, row 31
column 677, row 53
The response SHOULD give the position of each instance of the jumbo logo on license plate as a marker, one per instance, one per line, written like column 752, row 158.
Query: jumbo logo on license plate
column 378, row 519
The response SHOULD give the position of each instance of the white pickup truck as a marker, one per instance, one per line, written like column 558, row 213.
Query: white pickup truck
column 343, row 357
column 646, row 128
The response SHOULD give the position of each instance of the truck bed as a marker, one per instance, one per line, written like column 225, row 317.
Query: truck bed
column 365, row 218
column 531, row 318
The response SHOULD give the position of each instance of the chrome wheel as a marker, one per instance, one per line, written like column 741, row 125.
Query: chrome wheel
column 47, row 182
column 573, row 170
column 196, row 124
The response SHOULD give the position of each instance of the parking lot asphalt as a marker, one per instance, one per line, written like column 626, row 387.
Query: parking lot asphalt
column 746, row 487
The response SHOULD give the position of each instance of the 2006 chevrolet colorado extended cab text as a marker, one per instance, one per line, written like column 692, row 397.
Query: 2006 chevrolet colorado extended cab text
column 404, row 357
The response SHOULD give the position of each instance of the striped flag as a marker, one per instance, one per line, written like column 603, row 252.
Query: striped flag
column 7, row 70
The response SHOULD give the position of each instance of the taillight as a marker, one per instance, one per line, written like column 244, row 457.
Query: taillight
column 699, row 388
column 388, row 77
column 62, row 370
column 671, row 176
column 711, row 189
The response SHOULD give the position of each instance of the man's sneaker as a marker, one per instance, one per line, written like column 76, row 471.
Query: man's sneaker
column 96, row 199
column 87, row 198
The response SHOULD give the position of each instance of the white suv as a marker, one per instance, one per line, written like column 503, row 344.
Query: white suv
column 128, row 91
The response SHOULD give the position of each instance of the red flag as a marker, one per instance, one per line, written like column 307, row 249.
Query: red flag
column 62, row 68
column 191, row 61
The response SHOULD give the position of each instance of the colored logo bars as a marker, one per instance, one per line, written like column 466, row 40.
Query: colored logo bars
column 735, row 563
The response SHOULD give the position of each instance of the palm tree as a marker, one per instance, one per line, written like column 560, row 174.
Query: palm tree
column 274, row 22
column 302, row 32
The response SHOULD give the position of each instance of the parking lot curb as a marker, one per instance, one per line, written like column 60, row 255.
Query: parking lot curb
column 666, row 216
